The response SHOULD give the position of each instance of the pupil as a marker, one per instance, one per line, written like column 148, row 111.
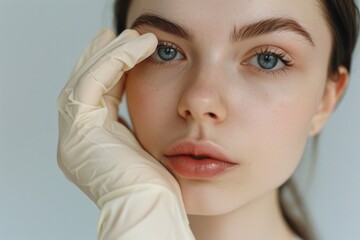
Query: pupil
column 267, row 61
column 167, row 53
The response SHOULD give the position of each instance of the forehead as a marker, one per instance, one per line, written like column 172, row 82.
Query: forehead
column 224, row 12
column 215, row 19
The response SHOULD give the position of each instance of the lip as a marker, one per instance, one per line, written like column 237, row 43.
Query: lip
column 180, row 159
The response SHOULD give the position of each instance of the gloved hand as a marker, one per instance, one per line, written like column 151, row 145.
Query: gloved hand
column 137, row 196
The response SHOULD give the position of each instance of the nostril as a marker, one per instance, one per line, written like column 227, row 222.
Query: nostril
column 212, row 115
column 187, row 113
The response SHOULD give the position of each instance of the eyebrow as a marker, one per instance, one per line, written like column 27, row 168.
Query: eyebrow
column 245, row 32
column 268, row 26
column 162, row 24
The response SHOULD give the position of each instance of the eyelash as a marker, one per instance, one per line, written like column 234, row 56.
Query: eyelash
column 277, row 52
column 165, row 44
column 265, row 50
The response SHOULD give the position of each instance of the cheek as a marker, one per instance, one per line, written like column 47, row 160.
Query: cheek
column 151, row 107
column 280, row 142
column 277, row 133
column 271, row 136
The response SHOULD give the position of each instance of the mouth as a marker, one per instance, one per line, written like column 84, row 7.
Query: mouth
column 196, row 157
column 197, row 160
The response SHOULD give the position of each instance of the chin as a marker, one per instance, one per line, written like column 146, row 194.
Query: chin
column 211, row 198
column 208, row 199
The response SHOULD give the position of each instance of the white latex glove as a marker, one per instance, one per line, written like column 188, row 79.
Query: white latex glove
column 137, row 196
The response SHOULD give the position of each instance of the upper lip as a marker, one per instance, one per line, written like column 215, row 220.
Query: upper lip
column 206, row 149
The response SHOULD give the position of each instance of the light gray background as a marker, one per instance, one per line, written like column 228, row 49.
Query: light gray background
column 40, row 42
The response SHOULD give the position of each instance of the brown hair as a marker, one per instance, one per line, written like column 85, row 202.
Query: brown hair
column 343, row 20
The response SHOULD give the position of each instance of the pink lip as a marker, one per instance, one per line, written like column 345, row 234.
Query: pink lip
column 180, row 159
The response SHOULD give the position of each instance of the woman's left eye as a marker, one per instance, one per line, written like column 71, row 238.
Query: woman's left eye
column 269, row 60
column 166, row 52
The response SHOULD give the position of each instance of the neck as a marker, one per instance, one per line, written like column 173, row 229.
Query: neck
column 260, row 219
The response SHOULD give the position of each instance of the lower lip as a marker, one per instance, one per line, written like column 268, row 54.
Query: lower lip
column 192, row 168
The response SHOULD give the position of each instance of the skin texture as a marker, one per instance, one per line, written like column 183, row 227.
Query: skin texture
column 217, row 93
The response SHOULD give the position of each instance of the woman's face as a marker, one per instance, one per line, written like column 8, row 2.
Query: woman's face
column 226, row 101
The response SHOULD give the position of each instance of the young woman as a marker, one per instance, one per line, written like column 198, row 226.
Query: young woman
column 222, row 95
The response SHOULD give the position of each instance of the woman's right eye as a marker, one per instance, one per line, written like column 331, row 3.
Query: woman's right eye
column 166, row 52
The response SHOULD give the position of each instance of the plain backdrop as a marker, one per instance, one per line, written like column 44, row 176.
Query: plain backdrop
column 40, row 42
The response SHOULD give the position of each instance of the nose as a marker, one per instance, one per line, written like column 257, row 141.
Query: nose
column 203, row 99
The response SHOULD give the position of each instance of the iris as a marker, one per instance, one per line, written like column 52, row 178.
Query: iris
column 167, row 53
column 267, row 61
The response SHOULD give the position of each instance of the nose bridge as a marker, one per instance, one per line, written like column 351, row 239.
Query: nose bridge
column 203, row 96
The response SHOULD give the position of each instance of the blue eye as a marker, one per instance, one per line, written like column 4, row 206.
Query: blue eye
column 267, row 61
column 166, row 52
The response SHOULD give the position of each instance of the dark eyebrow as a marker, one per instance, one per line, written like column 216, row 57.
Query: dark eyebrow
column 162, row 24
column 269, row 26
column 245, row 32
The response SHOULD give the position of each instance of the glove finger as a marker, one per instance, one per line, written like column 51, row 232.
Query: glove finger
column 95, row 50
column 66, row 99
column 103, row 38
column 113, row 98
column 107, row 71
